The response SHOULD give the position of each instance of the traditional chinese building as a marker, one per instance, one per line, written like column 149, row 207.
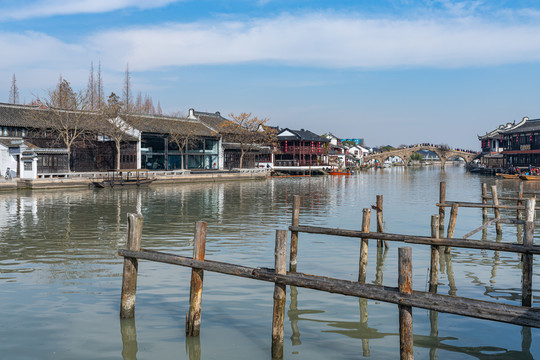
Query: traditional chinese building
column 301, row 148
column 518, row 144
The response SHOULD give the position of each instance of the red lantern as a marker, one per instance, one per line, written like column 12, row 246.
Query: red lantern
column 285, row 145
column 530, row 138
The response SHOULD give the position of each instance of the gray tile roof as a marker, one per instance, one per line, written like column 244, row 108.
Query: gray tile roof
column 165, row 124
column 28, row 116
column 302, row 134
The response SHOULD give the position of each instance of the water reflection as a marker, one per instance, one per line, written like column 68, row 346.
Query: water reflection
column 129, row 339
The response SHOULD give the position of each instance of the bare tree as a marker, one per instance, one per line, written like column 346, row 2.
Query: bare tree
column 114, row 127
column 127, row 92
column 183, row 136
column 66, row 114
column 99, row 88
column 138, row 103
column 91, row 88
column 158, row 110
column 249, row 132
column 14, row 91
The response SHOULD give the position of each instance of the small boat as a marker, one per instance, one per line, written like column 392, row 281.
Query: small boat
column 124, row 177
column 339, row 172
column 508, row 176
column 530, row 177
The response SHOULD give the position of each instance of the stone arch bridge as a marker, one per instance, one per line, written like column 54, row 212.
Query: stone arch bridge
column 405, row 154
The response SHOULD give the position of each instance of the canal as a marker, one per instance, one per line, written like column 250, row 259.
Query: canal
column 60, row 277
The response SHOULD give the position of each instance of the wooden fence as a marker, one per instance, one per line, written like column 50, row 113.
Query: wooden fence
column 402, row 295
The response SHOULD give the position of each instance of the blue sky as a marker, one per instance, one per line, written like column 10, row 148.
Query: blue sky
column 391, row 72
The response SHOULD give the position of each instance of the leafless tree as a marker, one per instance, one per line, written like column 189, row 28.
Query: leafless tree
column 66, row 114
column 114, row 125
column 14, row 91
column 127, row 96
column 183, row 136
column 247, row 131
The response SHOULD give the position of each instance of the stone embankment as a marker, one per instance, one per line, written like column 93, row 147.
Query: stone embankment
column 81, row 180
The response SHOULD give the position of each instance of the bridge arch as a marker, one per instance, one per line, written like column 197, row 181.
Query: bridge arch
column 442, row 153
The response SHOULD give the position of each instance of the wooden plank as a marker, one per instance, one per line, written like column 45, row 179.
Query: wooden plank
column 294, row 234
column 410, row 239
column 366, row 218
column 129, row 278
column 193, row 317
column 479, row 205
column 280, row 254
column 486, row 224
column 442, row 303
column 405, row 311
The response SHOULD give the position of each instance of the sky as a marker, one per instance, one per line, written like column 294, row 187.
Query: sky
column 389, row 71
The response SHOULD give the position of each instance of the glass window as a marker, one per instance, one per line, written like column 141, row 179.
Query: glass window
column 211, row 145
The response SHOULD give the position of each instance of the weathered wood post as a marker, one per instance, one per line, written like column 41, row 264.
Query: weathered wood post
column 405, row 311
column 434, row 267
column 519, row 214
column 279, row 295
column 433, row 282
column 527, row 259
column 380, row 223
column 131, row 265
column 451, row 225
column 193, row 317
column 294, row 234
column 484, row 201
column 442, row 200
column 496, row 209
column 366, row 218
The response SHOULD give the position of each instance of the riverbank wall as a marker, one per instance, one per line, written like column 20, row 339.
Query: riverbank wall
column 82, row 181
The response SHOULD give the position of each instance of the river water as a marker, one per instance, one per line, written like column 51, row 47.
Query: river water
column 60, row 277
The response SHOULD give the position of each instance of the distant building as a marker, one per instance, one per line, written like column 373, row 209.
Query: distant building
column 355, row 141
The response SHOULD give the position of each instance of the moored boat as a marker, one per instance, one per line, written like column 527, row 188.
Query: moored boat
column 508, row 176
column 530, row 177
column 338, row 172
column 124, row 177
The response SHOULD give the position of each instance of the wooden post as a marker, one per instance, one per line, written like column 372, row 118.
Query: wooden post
column 131, row 265
column 405, row 312
column 294, row 234
column 484, row 201
column 451, row 225
column 366, row 218
column 434, row 268
column 527, row 259
column 442, row 200
column 193, row 317
column 380, row 224
column 496, row 210
column 279, row 295
column 519, row 214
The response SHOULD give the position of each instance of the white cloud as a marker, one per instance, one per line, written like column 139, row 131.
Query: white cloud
column 315, row 40
column 324, row 41
column 44, row 8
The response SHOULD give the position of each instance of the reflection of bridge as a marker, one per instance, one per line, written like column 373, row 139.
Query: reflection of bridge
column 405, row 154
